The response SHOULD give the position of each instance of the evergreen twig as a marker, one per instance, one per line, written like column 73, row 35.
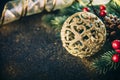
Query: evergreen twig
column 105, row 64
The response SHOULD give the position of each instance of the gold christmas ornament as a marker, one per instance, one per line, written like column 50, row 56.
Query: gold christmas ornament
column 83, row 34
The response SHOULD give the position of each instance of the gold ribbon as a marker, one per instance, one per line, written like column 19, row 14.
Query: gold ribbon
column 24, row 8
column 3, row 16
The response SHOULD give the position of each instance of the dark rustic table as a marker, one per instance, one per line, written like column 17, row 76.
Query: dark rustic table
column 30, row 50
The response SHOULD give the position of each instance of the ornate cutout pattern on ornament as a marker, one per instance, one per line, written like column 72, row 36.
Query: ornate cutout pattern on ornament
column 83, row 34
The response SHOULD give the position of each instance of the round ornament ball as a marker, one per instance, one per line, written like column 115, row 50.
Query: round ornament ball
column 115, row 58
column 116, row 44
column 83, row 34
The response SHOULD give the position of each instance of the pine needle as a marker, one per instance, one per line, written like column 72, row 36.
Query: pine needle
column 105, row 63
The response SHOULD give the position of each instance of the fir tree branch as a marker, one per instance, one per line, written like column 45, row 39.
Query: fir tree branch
column 105, row 64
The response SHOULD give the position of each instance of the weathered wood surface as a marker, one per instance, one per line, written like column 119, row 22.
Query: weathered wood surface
column 29, row 50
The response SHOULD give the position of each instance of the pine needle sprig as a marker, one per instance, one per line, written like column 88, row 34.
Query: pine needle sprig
column 105, row 64
column 113, row 7
column 57, row 22
column 75, row 7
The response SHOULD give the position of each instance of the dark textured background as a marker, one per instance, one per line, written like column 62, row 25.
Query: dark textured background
column 30, row 50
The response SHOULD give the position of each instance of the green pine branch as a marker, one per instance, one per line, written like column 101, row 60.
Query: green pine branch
column 75, row 7
column 105, row 64
column 56, row 20
column 113, row 8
